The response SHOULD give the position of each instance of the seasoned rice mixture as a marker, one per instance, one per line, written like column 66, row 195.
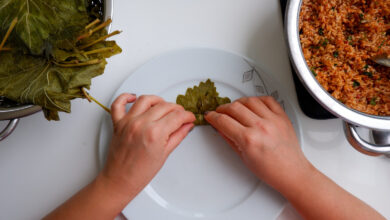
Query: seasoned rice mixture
column 339, row 38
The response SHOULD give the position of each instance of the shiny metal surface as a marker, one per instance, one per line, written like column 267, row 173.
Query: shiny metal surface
column 9, row 128
column 383, row 59
column 358, row 143
column 10, row 110
column 18, row 111
column 312, row 85
column 381, row 137
column 108, row 11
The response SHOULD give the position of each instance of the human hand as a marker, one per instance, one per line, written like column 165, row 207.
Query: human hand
column 142, row 140
column 259, row 130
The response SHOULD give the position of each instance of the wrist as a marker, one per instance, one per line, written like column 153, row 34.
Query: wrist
column 117, row 190
column 297, row 180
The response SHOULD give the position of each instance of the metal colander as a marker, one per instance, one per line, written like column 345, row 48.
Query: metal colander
column 12, row 111
column 6, row 103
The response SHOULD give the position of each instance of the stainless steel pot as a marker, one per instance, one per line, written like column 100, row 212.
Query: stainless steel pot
column 379, row 126
column 13, row 112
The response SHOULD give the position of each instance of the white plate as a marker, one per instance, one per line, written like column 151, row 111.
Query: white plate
column 203, row 178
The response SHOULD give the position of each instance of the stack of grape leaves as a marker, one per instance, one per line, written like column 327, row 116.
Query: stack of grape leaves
column 50, row 51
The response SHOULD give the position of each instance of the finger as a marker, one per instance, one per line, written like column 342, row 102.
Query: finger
column 143, row 103
column 118, row 107
column 226, row 125
column 176, row 137
column 174, row 120
column 272, row 104
column 239, row 112
column 256, row 106
column 232, row 145
column 160, row 110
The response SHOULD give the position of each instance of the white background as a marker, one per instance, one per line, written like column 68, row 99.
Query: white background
column 43, row 163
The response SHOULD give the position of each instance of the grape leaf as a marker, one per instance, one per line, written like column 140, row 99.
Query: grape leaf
column 41, row 21
column 43, row 81
column 49, row 85
column 48, row 64
column 201, row 99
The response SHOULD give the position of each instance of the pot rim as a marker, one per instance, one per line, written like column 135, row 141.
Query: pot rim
column 18, row 112
column 311, row 83
column 28, row 109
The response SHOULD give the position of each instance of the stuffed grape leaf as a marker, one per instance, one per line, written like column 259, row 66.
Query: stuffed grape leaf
column 201, row 99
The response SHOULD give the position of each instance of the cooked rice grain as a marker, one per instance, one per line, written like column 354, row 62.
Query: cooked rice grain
column 339, row 38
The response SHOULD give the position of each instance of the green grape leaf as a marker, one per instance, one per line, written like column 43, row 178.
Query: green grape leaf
column 41, row 22
column 47, row 64
column 29, row 79
column 201, row 99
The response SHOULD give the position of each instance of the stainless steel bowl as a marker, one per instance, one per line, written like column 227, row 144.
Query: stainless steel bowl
column 352, row 118
column 12, row 111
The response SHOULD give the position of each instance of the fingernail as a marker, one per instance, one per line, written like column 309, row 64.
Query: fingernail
column 206, row 113
column 133, row 94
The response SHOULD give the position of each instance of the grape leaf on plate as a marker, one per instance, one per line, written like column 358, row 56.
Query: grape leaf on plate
column 201, row 99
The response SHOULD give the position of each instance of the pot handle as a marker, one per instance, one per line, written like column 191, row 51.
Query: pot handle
column 9, row 128
column 361, row 145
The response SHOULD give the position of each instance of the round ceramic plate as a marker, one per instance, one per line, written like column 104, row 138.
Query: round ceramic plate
column 203, row 178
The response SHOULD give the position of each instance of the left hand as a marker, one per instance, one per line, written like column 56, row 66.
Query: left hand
column 142, row 140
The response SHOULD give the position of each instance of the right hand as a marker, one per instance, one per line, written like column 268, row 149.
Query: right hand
column 259, row 130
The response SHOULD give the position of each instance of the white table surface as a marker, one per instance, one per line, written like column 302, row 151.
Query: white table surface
column 43, row 163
